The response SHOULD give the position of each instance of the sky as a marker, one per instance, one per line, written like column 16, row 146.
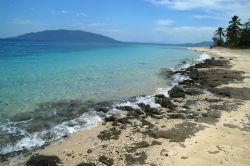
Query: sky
column 157, row 21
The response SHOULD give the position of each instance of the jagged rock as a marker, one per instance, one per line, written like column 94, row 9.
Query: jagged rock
column 86, row 164
column 176, row 92
column 193, row 73
column 105, row 160
column 164, row 152
column 126, row 108
column 164, row 102
column 89, row 151
column 110, row 119
column 40, row 160
column 176, row 116
column 193, row 91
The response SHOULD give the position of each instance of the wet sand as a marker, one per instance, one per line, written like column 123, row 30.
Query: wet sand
column 206, row 121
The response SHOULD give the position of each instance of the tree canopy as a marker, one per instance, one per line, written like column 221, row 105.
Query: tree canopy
column 236, row 34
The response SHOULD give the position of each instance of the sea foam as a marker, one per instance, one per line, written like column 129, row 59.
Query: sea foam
column 86, row 120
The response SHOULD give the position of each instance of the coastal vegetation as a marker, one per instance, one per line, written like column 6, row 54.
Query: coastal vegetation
column 235, row 35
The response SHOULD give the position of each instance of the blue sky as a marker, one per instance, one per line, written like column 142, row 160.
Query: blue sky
column 161, row 21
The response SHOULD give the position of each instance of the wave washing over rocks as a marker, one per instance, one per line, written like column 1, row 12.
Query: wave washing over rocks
column 61, row 119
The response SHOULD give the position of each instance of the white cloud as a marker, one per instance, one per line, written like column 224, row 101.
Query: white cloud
column 205, row 16
column 164, row 22
column 226, row 8
column 162, row 25
column 64, row 11
column 186, row 4
column 21, row 21
column 184, row 34
column 81, row 14
column 60, row 12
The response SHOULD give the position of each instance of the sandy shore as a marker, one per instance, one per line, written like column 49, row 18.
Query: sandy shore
column 225, row 143
column 211, row 127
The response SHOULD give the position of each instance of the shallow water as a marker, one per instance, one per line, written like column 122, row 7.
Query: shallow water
column 45, row 84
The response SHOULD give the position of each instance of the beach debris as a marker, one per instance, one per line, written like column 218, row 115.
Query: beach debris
column 184, row 157
column 137, row 158
column 164, row 152
column 105, row 160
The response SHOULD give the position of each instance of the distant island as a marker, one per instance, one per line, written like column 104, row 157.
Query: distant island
column 64, row 36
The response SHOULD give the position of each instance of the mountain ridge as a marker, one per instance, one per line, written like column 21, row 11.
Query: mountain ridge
column 63, row 35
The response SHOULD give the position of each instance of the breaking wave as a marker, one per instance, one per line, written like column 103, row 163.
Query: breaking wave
column 87, row 120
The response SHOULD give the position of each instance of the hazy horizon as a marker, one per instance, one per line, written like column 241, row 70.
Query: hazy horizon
column 147, row 21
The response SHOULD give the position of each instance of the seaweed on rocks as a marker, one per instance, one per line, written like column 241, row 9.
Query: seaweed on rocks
column 86, row 164
column 164, row 101
column 176, row 92
column 112, row 133
column 136, row 146
column 42, row 160
column 179, row 133
column 138, row 158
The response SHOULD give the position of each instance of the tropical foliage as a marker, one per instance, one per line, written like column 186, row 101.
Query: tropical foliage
column 236, row 34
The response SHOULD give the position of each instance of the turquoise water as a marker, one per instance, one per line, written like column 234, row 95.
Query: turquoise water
column 33, row 73
column 97, row 73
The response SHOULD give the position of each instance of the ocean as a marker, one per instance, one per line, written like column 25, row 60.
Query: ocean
column 49, row 90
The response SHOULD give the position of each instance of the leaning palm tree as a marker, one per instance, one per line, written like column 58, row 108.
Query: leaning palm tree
column 220, row 34
column 233, row 31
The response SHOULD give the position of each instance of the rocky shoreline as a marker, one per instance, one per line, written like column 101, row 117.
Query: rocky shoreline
column 146, row 135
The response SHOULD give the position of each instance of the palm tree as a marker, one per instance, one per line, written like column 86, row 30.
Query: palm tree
column 247, row 24
column 220, row 33
column 233, row 31
column 245, row 35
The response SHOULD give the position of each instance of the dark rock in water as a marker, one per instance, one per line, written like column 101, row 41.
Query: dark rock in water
column 86, row 164
column 151, row 111
column 105, row 160
column 160, row 96
column 110, row 118
column 176, row 92
column 41, row 160
column 104, row 106
column 126, row 108
column 166, row 73
column 142, row 105
column 164, row 102
column 140, row 158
